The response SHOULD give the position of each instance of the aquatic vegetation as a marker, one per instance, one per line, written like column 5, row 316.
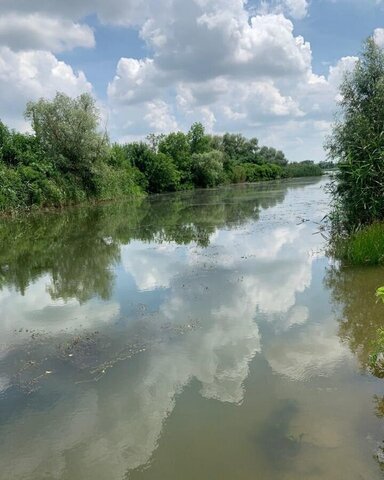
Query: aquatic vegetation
column 364, row 247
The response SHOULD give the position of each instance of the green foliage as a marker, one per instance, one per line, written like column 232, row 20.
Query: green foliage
column 380, row 293
column 327, row 165
column 376, row 358
column 377, row 351
column 262, row 172
column 198, row 140
column 114, row 183
column 177, row 146
column 307, row 168
column 69, row 160
column 162, row 174
column 67, row 130
column 238, row 174
column 357, row 143
column 271, row 155
column 364, row 247
column 207, row 169
column 239, row 149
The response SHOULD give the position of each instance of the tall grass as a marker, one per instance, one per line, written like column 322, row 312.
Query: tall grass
column 364, row 247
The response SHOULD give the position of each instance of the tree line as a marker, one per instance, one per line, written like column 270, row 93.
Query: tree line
column 68, row 159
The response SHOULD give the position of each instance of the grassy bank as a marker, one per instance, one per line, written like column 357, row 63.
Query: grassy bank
column 364, row 247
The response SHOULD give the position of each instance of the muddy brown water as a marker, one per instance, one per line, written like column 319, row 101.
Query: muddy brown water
column 198, row 335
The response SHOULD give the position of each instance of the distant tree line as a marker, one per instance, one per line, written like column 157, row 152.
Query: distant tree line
column 69, row 160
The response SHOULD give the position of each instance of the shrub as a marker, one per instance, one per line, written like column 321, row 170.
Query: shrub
column 116, row 182
column 238, row 174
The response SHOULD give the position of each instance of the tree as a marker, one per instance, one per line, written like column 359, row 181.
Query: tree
column 68, row 132
column 162, row 174
column 207, row 168
column 239, row 149
column 271, row 155
column 198, row 140
column 357, row 143
column 176, row 145
column 139, row 155
column 154, row 141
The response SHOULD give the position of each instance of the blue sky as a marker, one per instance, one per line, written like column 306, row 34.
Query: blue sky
column 268, row 69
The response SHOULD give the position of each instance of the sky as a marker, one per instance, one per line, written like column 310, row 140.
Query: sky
column 266, row 69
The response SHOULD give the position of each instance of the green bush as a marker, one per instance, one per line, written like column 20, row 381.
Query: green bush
column 238, row 174
column 116, row 182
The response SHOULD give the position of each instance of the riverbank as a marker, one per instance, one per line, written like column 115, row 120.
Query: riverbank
column 69, row 159
column 137, row 196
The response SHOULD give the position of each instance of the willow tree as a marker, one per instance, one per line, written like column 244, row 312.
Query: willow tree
column 357, row 143
column 68, row 132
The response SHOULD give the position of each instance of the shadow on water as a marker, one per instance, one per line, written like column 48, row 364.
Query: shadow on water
column 274, row 438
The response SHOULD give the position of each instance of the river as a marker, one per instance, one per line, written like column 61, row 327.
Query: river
column 198, row 336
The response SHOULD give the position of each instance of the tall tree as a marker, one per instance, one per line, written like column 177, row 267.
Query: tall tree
column 357, row 143
column 68, row 132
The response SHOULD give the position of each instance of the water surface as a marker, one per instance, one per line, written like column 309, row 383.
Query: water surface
column 198, row 335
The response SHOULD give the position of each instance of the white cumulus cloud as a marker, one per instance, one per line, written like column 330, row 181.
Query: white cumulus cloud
column 29, row 75
column 41, row 32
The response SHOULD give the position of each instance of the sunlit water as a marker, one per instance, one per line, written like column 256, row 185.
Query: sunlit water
column 193, row 336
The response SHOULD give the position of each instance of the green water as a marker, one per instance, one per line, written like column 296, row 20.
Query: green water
column 194, row 336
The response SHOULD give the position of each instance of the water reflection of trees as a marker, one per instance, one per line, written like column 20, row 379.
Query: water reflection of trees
column 77, row 248
column 353, row 294
column 360, row 316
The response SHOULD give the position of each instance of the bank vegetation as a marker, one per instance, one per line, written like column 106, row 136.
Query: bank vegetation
column 69, row 159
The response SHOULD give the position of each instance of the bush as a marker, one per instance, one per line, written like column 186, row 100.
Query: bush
column 238, row 174
column 116, row 182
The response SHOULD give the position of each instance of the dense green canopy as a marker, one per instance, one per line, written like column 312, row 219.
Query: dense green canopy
column 69, row 159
